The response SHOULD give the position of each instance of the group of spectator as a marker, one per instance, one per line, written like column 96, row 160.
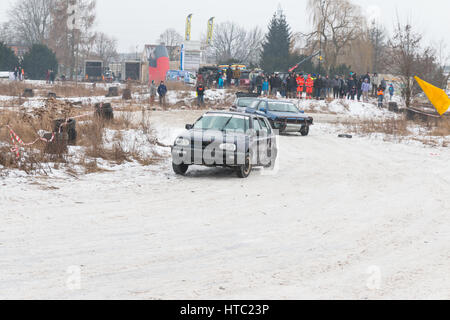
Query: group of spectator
column 50, row 76
column 160, row 90
column 293, row 86
column 318, row 87
column 19, row 74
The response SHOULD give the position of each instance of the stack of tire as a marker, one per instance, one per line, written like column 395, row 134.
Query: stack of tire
column 104, row 111
column 113, row 92
column 69, row 127
column 58, row 145
column 28, row 93
column 126, row 95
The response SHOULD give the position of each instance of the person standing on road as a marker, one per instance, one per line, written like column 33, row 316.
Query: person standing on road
column 293, row 86
column 259, row 84
column 335, row 84
column 391, row 91
column 52, row 77
column 200, row 94
column 380, row 94
column 375, row 84
column 237, row 76
column 384, row 84
column 365, row 88
column 309, row 87
column 265, row 87
column 300, row 84
column 318, row 86
column 162, row 91
column 229, row 75
column 153, row 91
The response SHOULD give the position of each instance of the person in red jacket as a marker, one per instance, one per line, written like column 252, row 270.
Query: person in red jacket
column 300, row 85
column 201, row 94
column 309, row 87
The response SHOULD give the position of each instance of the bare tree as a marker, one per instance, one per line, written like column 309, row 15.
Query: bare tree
column 105, row 48
column 72, row 45
column 377, row 37
column 232, row 42
column 336, row 24
column 31, row 20
column 405, row 47
column 7, row 35
column 172, row 40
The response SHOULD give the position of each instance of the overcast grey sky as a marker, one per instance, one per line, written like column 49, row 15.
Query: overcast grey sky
column 138, row 22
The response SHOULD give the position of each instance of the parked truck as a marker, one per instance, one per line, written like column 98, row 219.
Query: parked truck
column 126, row 70
column 93, row 70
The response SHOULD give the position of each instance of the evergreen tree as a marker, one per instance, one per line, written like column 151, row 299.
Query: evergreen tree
column 8, row 60
column 276, row 47
column 38, row 60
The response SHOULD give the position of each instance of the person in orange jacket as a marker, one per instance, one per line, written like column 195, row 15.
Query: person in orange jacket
column 300, row 84
column 380, row 94
column 309, row 87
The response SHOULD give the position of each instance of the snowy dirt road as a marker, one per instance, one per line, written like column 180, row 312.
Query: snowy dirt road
column 340, row 219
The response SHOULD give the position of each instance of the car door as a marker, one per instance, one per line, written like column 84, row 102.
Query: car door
column 266, row 140
column 256, row 140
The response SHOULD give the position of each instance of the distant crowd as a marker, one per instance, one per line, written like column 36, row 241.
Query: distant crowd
column 308, row 86
column 18, row 74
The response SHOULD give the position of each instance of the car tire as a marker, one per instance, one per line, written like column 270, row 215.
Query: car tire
column 273, row 159
column 304, row 131
column 180, row 169
column 243, row 171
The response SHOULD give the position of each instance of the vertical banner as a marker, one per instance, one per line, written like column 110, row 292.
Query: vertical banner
column 182, row 57
column 210, row 31
column 188, row 27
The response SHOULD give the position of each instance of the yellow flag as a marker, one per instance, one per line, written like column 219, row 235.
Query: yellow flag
column 437, row 96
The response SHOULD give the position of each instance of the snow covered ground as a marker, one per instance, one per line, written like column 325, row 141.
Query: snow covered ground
column 341, row 219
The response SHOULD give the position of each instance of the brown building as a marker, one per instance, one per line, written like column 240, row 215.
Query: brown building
column 19, row 50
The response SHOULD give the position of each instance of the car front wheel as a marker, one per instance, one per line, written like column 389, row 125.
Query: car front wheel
column 244, row 170
column 304, row 131
column 180, row 169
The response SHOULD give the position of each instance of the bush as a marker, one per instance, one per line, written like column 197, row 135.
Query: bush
column 8, row 60
column 38, row 61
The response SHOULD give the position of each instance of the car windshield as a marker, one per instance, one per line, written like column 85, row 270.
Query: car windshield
column 245, row 102
column 282, row 107
column 254, row 104
column 222, row 122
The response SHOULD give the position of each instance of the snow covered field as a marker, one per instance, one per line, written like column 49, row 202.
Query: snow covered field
column 339, row 219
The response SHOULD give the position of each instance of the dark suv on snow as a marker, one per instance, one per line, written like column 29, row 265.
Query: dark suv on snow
column 282, row 115
column 227, row 139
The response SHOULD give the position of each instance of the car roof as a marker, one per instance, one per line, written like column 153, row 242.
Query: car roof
column 277, row 101
column 233, row 113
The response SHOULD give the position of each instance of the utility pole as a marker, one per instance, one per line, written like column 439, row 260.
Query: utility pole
column 73, row 26
column 320, row 35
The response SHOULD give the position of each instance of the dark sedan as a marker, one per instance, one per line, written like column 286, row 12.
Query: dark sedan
column 226, row 139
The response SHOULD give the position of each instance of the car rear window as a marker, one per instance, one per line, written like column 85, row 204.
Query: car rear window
column 245, row 102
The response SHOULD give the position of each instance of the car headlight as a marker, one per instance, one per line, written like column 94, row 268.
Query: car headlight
column 182, row 142
column 228, row 147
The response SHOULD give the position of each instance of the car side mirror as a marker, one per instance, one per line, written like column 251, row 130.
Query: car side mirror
column 189, row 126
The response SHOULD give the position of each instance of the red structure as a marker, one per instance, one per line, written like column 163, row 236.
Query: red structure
column 158, row 59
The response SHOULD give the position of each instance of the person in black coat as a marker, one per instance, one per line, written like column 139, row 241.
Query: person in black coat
column 292, row 86
column 162, row 91
column 201, row 94
column 259, row 83
column 318, row 86
column 229, row 76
